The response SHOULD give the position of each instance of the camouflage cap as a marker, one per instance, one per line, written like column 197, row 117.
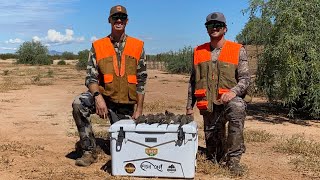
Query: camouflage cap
column 118, row 9
column 216, row 16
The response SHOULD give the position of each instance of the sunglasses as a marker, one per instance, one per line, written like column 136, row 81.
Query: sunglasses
column 121, row 16
column 215, row 25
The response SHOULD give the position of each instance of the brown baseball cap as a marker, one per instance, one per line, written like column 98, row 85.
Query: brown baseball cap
column 118, row 9
column 216, row 16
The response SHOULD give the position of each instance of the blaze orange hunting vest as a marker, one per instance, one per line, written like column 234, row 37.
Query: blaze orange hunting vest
column 214, row 79
column 118, row 81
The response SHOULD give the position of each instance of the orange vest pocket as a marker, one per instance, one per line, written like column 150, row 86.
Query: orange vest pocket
column 200, row 93
column 132, row 79
column 202, row 105
column 222, row 91
column 107, row 78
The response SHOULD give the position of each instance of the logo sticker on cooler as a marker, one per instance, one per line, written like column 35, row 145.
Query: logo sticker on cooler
column 130, row 168
column 171, row 169
column 151, row 151
column 146, row 165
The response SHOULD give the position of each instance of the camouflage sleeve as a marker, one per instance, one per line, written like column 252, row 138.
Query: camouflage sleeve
column 142, row 73
column 243, row 75
column 191, row 88
column 92, row 69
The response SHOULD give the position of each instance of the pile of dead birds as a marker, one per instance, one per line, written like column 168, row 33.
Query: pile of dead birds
column 165, row 118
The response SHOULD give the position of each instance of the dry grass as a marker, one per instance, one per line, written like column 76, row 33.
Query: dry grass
column 307, row 159
column 101, row 134
column 9, row 84
column 39, row 81
column 49, row 115
column 17, row 78
column 44, row 172
column 159, row 106
column 6, row 100
column 73, row 134
column 21, row 149
column 207, row 167
column 297, row 144
column 257, row 136
column 95, row 119
column 6, row 72
column 5, row 161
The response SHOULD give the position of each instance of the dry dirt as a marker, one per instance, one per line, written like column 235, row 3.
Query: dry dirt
column 38, row 135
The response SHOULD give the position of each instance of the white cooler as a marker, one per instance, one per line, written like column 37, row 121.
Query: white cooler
column 153, row 150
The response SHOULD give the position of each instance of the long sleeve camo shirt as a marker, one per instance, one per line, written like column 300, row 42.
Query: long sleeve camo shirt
column 92, row 68
column 243, row 76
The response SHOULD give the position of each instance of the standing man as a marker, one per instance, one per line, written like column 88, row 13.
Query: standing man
column 116, row 77
column 218, row 83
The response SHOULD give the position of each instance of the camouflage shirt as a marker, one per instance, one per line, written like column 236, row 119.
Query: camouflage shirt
column 92, row 68
column 243, row 76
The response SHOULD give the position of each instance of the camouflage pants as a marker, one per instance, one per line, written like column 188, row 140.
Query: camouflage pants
column 83, row 106
column 222, row 146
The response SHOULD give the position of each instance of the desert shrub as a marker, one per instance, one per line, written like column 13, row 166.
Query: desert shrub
column 257, row 136
column 6, row 72
column 178, row 62
column 62, row 62
column 68, row 55
column 8, row 56
column 55, row 57
column 288, row 68
column 33, row 53
column 83, row 60
column 50, row 73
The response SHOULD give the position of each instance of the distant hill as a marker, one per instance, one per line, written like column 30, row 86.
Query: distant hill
column 54, row 52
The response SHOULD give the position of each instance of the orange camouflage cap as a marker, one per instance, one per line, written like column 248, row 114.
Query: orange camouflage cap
column 118, row 9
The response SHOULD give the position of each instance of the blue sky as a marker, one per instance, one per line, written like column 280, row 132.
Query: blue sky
column 71, row 25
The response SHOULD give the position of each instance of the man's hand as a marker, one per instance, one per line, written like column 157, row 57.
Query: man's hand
column 101, row 107
column 189, row 112
column 137, row 113
column 226, row 97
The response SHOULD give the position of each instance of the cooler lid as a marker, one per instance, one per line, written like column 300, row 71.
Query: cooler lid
column 130, row 126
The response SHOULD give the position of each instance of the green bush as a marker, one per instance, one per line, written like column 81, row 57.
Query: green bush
column 55, row 57
column 62, row 62
column 83, row 59
column 33, row 53
column 178, row 62
column 288, row 68
column 68, row 56
column 8, row 56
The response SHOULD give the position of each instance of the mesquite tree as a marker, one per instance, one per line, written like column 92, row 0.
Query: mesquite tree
column 33, row 53
column 289, row 67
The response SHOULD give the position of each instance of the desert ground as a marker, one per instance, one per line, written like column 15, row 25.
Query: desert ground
column 38, row 134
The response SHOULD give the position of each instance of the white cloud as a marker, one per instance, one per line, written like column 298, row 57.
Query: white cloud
column 80, row 39
column 36, row 39
column 93, row 38
column 8, row 48
column 57, row 38
column 14, row 41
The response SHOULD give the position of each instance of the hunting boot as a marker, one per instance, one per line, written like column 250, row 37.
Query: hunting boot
column 88, row 157
column 234, row 166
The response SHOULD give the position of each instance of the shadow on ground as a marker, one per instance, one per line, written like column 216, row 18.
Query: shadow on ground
column 273, row 113
column 102, row 146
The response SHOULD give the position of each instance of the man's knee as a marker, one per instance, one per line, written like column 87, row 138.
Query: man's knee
column 237, row 104
column 76, row 104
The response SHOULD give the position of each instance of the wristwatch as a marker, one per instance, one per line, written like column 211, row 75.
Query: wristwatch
column 97, row 93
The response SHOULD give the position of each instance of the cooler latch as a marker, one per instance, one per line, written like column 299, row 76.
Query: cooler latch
column 121, row 136
column 181, row 134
